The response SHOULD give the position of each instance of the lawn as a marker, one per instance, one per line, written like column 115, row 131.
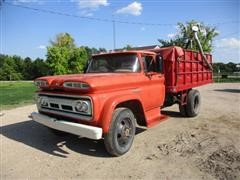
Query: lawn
column 227, row 80
column 16, row 93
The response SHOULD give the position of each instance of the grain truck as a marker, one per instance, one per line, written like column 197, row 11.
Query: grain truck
column 121, row 90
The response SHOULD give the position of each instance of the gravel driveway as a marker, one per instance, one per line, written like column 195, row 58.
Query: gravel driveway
column 205, row 147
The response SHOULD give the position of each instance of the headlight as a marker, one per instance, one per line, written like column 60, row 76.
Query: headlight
column 83, row 106
column 41, row 83
column 76, row 85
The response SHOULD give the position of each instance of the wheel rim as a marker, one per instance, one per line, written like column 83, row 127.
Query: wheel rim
column 124, row 132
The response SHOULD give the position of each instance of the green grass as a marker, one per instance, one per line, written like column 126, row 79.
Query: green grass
column 227, row 80
column 16, row 93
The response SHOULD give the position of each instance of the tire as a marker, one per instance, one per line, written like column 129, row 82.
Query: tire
column 193, row 103
column 121, row 133
column 183, row 110
column 58, row 133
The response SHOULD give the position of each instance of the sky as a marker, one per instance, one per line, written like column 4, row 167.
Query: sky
column 27, row 26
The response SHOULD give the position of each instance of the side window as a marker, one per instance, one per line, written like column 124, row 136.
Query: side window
column 149, row 64
column 159, row 64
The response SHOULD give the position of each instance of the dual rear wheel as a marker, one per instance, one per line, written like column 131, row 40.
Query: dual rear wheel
column 192, row 108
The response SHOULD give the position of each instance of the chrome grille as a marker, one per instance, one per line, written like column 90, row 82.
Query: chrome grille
column 63, row 105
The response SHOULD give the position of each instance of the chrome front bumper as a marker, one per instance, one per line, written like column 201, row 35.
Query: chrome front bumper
column 70, row 127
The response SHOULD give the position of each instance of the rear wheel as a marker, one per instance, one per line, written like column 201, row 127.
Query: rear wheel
column 192, row 108
column 193, row 103
column 121, row 133
column 182, row 109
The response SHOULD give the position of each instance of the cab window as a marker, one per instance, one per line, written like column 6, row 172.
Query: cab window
column 149, row 64
column 152, row 65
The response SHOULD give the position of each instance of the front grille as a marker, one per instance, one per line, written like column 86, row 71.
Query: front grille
column 70, row 108
column 63, row 105
column 53, row 105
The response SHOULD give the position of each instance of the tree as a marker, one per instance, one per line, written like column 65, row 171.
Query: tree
column 59, row 52
column 64, row 57
column 185, row 33
column 63, row 40
column 40, row 68
column 7, row 70
column 57, row 59
column 27, row 68
column 91, row 51
column 78, row 60
column 128, row 47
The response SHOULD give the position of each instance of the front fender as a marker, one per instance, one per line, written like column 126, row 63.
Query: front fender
column 110, row 106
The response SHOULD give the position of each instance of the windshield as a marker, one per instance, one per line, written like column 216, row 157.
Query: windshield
column 114, row 63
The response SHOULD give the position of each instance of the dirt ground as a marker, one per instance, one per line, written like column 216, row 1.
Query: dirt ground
column 205, row 147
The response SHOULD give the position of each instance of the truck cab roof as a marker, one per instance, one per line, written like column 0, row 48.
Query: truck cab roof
column 126, row 52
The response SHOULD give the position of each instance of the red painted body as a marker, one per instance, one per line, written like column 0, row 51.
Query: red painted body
column 142, row 92
column 184, row 69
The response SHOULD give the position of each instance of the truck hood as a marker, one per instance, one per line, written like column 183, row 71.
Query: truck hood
column 97, row 82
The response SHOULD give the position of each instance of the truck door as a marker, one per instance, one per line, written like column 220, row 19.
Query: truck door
column 154, row 87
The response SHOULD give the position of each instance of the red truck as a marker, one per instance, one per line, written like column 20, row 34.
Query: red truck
column 122, row 89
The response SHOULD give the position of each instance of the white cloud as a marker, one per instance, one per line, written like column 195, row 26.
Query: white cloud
column 27, row 1
column 91, row 4
column 41, row 47
column 171, row 35
column 226, row 50
column 86, row 13
column 228, row 43
column 87, row 7
column 134, row 9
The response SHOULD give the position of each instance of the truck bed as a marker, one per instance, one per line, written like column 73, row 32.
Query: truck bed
column 184, row 69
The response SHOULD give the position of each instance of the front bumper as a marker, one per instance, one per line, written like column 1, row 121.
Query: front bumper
column 70, row 127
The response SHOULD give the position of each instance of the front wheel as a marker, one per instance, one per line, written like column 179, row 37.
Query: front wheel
column 121, row 133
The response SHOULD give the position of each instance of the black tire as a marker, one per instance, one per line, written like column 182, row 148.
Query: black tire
column 193, row 103
column 121, row 133
column 183, row 110
column 58, row 133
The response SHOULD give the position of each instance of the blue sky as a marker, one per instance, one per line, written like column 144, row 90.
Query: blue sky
column 26, row 32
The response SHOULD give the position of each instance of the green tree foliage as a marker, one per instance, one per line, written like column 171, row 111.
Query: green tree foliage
column 57, row 59
column 59, row 52
column 17, row 68
column 128, row 47
column 92, row 51
column 64, row 57
column 40, row 68
column 184, row 33
column 77, row 60
column 225, row 68
column 8, row 69
column 63, row 40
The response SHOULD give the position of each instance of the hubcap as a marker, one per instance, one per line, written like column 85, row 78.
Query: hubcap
column 124, row 132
